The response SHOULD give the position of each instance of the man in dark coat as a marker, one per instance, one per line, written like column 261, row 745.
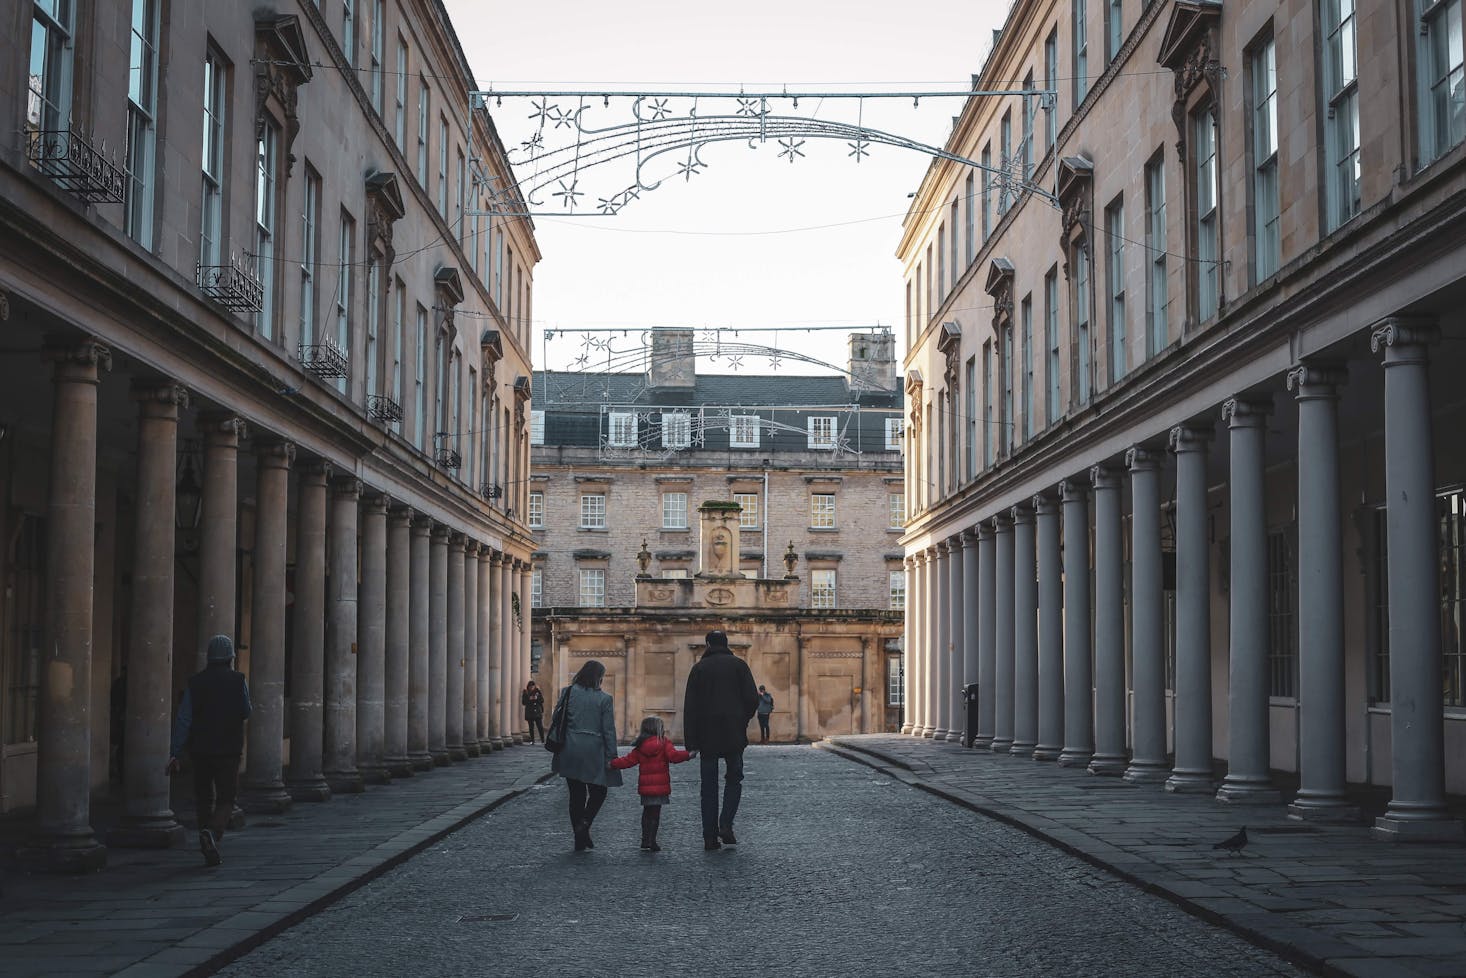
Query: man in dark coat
column 721, row 699
column 210, row 725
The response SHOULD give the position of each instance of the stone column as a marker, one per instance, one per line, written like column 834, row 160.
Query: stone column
column 438, row 647
column 418, row 651
column 908, row 644
column 470, row 647
column 308, row 649
column 941, row 686
column 1109, row 625
column 957, row 616
column 486, row 624
column 341, row 641
column 1148, row 761
column 454, row 685
column 1025, row 635
column 987, row 659
column 935, row 640
column 1417, row 811
column 970, row 624
column 1247, row 779
column 147, row 820
column 219, row 535
column 1050, row 631
column 1078, row 668
column 371, row 655
column 1321, row 663
column 1193, row 769
column 509, row 704
column 525, row 620
column 497, row 673
column 916, row 604
column 1003, row 636
column 398, row 642
column 262, row 789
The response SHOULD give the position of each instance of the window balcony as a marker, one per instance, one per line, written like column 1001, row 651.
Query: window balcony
column 382, row 408
column 232, row 286
column 75, row 165
column 325, row 361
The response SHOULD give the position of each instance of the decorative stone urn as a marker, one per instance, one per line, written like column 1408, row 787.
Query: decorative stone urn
column 718, row 539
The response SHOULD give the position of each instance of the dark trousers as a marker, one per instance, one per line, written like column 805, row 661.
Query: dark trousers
column 535, row 723
column 585, row 801
column 215, row 783
column 712, row 820
column 763, row 726
column 651, row 818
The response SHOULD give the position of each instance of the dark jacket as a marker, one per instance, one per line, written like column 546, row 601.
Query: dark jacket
column 721, row 699
column 533, row 702
column 654, row 755
column 590, row 738
column 211, row 717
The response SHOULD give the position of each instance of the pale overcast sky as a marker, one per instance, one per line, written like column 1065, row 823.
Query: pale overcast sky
column 724, row 248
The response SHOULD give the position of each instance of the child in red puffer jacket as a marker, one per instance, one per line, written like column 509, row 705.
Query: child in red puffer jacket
column 655, row 753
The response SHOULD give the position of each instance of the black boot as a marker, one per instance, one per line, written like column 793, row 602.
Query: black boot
column 647, row 828
column 653, row 821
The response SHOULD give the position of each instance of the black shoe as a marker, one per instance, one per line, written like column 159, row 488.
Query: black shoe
column 729, row 839
column 652, row 845
column 709, row 843
column 585, row 834
column 209, row 846
column 582, row 837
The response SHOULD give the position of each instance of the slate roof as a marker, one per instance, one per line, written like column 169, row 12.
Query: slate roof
column 561, row 390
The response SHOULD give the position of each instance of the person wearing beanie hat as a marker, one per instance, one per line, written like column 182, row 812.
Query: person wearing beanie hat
column 210, row 726
column 721, row 698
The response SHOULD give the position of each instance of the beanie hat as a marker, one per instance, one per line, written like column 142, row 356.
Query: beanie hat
column 221, row 649
column 717, row 640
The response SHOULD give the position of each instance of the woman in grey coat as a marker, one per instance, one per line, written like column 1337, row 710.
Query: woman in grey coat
column 590, row 746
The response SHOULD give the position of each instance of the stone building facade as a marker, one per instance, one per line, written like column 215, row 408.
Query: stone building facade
column 265, row 373
column 1185, row 502
column 621, row 464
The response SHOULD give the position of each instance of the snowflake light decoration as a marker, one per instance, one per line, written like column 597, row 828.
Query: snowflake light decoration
column 859, row 149
column 791, row 148
column 660, row 110
column 568, row 194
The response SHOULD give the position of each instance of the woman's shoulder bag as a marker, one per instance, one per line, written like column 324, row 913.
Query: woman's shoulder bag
column 559, row 723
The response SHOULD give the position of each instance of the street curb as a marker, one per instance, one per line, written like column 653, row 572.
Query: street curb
column 325, row 889
column 903, row 772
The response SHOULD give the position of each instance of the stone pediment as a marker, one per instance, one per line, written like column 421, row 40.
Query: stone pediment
column 1000, row 276
column 449, row 285
column 1189, row 23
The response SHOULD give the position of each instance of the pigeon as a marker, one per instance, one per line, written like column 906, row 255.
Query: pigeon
column 1234, row 843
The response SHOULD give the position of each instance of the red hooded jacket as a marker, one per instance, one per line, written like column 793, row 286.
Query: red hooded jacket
column 654, row 755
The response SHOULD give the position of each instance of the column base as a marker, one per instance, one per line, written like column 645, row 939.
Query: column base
column 1074, row 757
column 374, row 773
column 1190, row 782
column 1328, row 809
column 269, row 798
column 486, row 746
column 1001, row 745
column 457, row 754
column 440, row 756
column 1107, row 765
column 160, row 831
column 982, row 742
column 309, row 789
column 1047, row 752
column 1248, row 791
column 906, row 729
column 1147, row 772
column 1415, row 826
column 471, row 748
column 927, row 733
column 345, row 782
column 62, row 852
column 420, row 761
column 1021, row 749
column 501, row 743
column 939, row 733
column 398, row 767
column 954, row 736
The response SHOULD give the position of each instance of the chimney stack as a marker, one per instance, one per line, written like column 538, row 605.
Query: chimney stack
column 872, row 364
column 673, row 367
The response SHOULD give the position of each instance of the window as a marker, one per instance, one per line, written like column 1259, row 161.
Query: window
column 593, row 511
column 987, row 192
column 896, row 509
column 822, row 511
column 893, row 434
column 1451, row 518
column 1114, row 29
column 622, row 429
column 971, row 202
column 1005, row 356
column 266, row 153
column 310, row 222
column 941, row 265
column 952, row 245
column 969, row 421
column 592, row 587
column 459, row 224
column 536, row 510
column 743, row 431
column 1026, row 324
column 373, row 323
column 1341, row 96
column 749, row 518
column 896, row 588
column 895, row 681
column 401, row 94
column 421, row 414
column 399, row 324
column 1051, row 343
column 1156, row 297
column 142, row 98
column 1025, row 148
column 821, row 432
column 674, row 510
column 1005, row 145
column 1115, row 277
column 822, row 589
column 1051, row 83
column 1081, row 52
column 537, row 588
column 1208, row 255
column 676, row 429
column 931, row 294
column 536, row 427
column 348, row 30
column 989, row 446
column 48, row 99
column 1081, row 337
column 424, row 97
column 1282, row 613
column 1443, row 121
column 443, row 166
column 211, row 210
column 1263, row 68
column 378, row 52
column 345, row 273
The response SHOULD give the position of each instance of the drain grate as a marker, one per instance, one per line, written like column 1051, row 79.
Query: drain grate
column 487, row 918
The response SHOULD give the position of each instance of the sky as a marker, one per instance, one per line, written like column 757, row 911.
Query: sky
column 759, row 237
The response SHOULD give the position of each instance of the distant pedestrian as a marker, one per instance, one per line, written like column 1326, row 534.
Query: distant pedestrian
column 720, row 700
column 210, row 726
column 590, row 747
column 533, row 702
column 765, row 708
column 654, row 751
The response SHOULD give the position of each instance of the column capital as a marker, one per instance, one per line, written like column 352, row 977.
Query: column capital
column 159, row 398
column 1138, row 458
column 78, row 361
column 401, row 515
column 1045, row 503
column 1246, row 412
column 376, row 502
column 910, row 561
column 496, row 558
column 274, row 453
column 1315, row 379
column 1001, row 522
column 1073, row 490
column 441, row 532
column 470, row 546
column 1189, row 438
column 422, row 524
column 1403, row 338
column 1021, row 513
column 317, row 472
column 969, row 537
column 984, row 530
column 1104, row 477
column 346, row 485
column 222, row 428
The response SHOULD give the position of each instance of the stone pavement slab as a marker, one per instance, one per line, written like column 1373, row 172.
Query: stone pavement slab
column 1327, row 896
column 162, row 913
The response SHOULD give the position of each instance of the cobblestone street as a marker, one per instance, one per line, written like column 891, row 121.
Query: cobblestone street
column 841, row 870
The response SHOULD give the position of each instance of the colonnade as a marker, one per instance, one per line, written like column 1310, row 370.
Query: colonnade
column 406, row 651
column 1052, row 669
